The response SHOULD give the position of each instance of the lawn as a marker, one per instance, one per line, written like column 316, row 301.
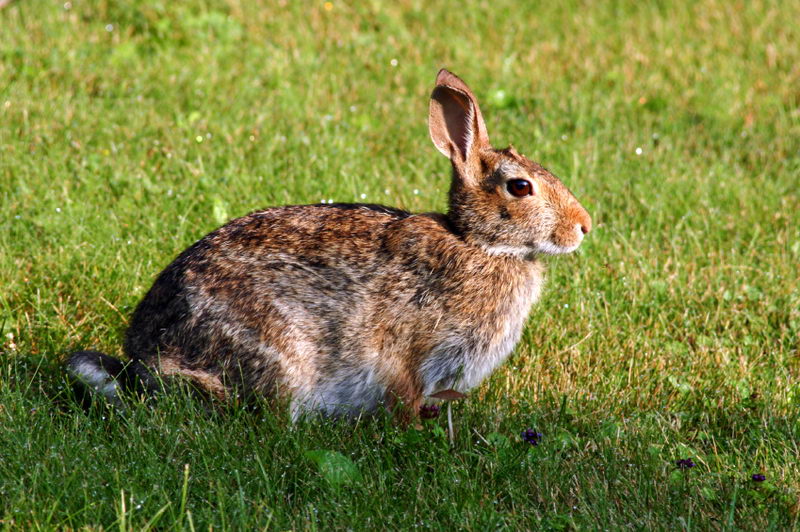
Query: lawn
column 128, row 130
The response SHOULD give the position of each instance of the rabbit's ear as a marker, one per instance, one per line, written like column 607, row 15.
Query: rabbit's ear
column 454, row 118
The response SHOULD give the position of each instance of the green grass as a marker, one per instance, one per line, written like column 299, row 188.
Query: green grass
column 672, row 334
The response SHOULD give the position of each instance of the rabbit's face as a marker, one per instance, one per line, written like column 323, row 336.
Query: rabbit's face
column 499, row 199
column 527, row 209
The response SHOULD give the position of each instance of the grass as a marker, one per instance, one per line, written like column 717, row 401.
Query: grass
column 129, row 130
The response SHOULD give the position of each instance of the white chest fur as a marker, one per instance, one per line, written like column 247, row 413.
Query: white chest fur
column 464, row 358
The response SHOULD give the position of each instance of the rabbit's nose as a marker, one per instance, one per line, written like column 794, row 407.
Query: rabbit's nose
column 584, row 221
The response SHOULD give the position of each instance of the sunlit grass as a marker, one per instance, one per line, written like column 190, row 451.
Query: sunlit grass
column 129, row 130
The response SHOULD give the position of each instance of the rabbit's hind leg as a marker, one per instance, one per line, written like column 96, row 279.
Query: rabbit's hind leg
column 206, row 381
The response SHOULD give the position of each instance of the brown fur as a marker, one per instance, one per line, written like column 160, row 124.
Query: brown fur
column 351, row 308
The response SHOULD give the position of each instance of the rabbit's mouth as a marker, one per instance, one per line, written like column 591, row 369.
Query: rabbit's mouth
column 531, row 249
column 549, row 247
column 565, row 240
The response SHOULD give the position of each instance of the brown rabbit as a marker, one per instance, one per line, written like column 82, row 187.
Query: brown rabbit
column 349, row 308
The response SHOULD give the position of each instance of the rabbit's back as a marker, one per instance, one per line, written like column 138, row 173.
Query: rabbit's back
column 338, row 307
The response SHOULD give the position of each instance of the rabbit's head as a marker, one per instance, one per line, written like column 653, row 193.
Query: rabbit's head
column 499, row 199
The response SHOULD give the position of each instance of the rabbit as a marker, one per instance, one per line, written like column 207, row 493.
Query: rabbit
column 351, row 309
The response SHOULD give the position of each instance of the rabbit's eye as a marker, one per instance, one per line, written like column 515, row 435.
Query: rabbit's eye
column 519, row 187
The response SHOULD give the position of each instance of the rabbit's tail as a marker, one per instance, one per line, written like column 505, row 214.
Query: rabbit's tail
column 96, row 373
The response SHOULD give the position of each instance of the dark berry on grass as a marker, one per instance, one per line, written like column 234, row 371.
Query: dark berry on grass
column 428, row 411
column 531, row 436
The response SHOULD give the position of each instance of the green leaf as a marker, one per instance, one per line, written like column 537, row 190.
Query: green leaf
column 500, row 99
column 743, row 389
column 334, row 467
column 439, row 432
column 680, row 385
column 497, row 440
column 727, row 296
column 610, row 430
column 124, row 54
column 566, row 439
column 660, row 287
column 708, row 493
column 676, row 477
column 655, row 450
column 220, row 210
column 412, row 437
